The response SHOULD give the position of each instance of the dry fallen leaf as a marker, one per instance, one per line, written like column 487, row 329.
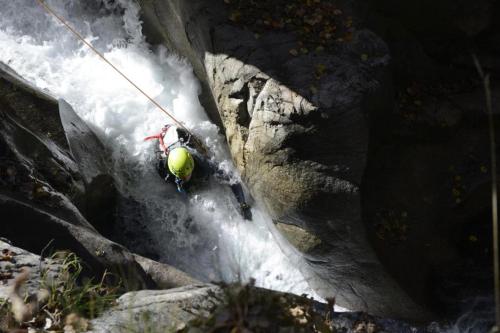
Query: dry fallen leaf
column 296, row 311
column 20, row 310
column 74, row 323
column 320, row 70
column 235, row 16
column 7, row 255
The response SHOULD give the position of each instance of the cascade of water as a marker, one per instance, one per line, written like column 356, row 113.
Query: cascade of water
column 204, row 235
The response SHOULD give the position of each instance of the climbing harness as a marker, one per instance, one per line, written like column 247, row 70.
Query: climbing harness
column 199, row 145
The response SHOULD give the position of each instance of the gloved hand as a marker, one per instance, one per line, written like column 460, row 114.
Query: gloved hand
column 179, row 184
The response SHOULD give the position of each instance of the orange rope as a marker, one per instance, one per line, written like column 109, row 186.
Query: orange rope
column 80, row 37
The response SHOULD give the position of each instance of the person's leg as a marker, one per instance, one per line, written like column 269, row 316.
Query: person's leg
column 238, row 192
column 240, row 197
column 162, row 168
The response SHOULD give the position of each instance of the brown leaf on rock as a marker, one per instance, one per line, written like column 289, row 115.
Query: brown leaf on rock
column 235, row 16
column 20, row 310
column 7, row 255
column 348, row 22
column 300, row 12
column 277, row 24
column 74, row 323
column 320, row 70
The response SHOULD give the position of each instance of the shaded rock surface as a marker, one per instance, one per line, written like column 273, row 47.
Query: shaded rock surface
column 93, row 162
column 44, row 197
column 297, row 127
column 425, row 193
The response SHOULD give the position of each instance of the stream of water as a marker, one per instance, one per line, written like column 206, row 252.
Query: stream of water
column 205, row 235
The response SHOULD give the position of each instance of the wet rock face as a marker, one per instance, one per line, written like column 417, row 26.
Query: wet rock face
column 296, row 120
column 45, row 198
column 93, row 162
column 36, row 163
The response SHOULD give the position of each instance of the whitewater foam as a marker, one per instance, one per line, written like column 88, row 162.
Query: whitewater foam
column 204, row 236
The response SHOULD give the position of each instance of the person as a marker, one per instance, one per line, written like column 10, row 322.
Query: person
column 181, row 163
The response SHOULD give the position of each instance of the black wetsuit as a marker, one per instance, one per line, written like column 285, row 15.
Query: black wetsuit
column 202, row 170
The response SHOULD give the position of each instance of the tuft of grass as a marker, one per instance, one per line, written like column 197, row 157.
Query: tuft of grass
column 65, row 302
column 70, row 293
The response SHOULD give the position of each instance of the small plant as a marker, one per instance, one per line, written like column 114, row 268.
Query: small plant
column 392, row 226
column 64, row 302
column 71, row 294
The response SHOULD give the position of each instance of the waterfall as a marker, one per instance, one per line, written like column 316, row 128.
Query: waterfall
column 204, row 234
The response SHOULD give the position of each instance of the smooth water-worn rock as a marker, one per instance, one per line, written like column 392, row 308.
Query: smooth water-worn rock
column 36, row 164
column 297, row 127
column 43, row 192
column 157, row 310
column 93, row 162
column 164, row 276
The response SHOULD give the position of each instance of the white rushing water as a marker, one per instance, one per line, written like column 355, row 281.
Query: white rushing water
column 204, row 236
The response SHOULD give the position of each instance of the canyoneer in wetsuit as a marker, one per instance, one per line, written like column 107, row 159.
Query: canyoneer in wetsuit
column 179, row 162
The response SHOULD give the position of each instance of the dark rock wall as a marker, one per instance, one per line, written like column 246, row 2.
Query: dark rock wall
column 369, row 144
column 43, row 193
column 296, row 118
column 426, row 186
